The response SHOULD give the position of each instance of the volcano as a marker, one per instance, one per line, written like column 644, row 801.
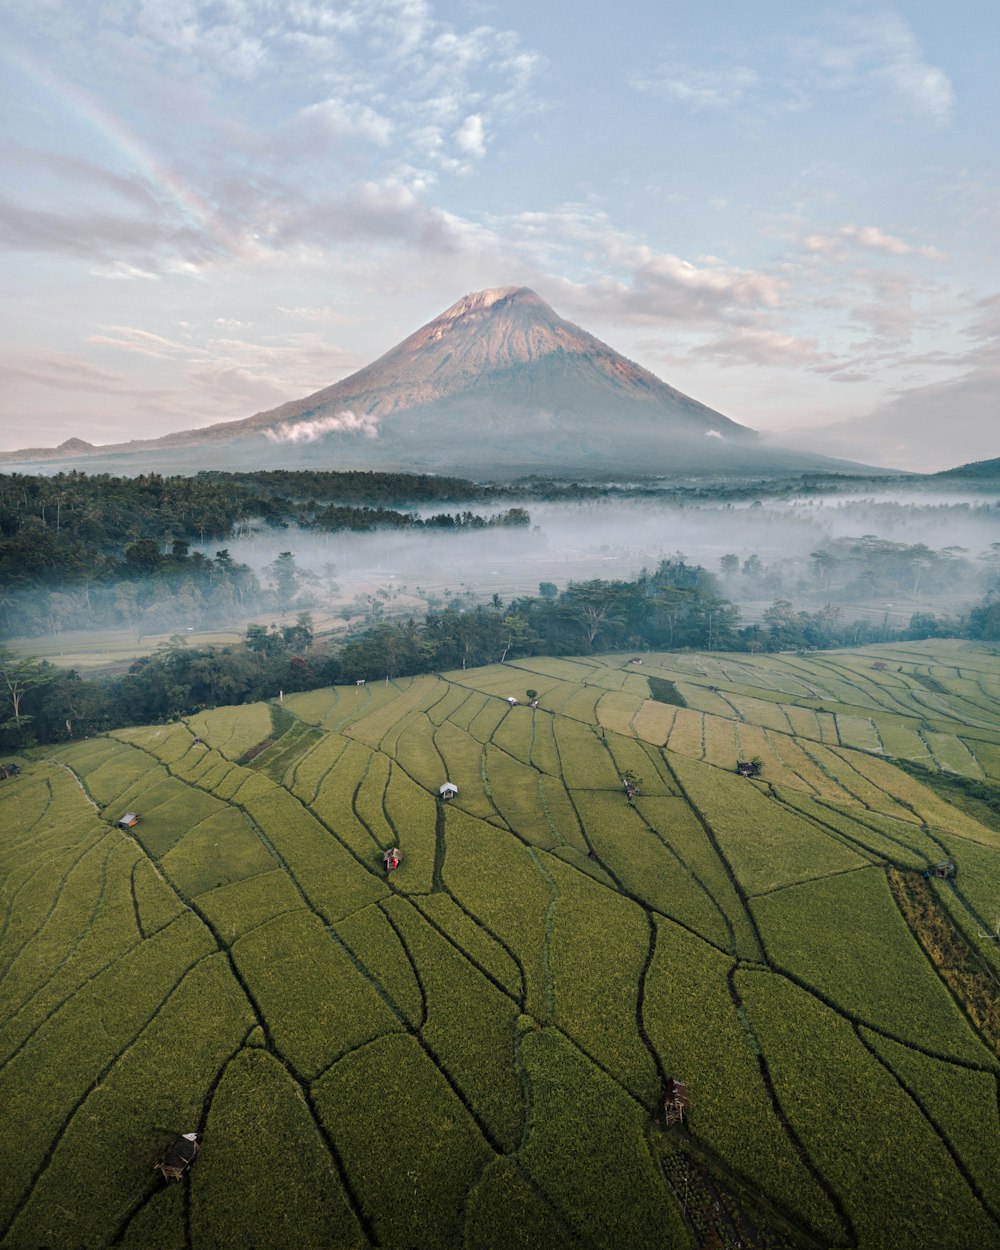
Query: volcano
column 498, row 384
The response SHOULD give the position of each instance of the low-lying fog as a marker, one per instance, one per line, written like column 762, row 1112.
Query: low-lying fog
column 615, row 538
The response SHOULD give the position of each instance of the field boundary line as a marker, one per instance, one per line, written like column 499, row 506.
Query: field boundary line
column 81, row 937
column 59, row 887
column 798, row 1145
column 549, row 990
column 94, row 1084
column 411, row 961
column 727, row 866
column 939, row 1133
column 671, row 850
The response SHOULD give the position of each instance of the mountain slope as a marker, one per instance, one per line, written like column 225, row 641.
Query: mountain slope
column 498, row 383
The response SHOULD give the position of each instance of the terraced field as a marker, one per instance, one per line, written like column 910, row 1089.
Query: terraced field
column 473, row 1050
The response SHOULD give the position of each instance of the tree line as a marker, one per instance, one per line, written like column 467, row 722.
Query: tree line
column 676, row 606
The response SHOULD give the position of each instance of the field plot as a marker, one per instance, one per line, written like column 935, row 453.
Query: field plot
column 232, row 731
column 896, row 990
column 616, row 711
column 471, row 1051
column 767, row 845
column 587, row 764
column 813, row 1055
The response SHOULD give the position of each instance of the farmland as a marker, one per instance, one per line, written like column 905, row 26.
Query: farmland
column 471, row 1051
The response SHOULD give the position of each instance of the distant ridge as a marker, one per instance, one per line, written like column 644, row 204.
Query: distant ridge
column 497, row 384
column 978, row 468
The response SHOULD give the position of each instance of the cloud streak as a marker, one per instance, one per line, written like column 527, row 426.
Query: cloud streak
column 876, row 56
column 346, row 422
column 868, row 238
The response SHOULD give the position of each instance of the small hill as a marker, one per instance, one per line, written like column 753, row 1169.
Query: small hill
column 987, row 469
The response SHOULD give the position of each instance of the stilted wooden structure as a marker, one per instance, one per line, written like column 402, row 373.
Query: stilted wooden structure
column 675, row 1101
column 178, row 1157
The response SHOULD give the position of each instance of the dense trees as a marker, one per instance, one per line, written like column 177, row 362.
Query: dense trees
column 105, row 552
column 42, row 703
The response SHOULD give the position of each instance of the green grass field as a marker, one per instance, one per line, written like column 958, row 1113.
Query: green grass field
column 472, row 1051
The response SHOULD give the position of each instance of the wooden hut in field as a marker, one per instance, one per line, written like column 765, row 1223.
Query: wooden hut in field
column 880, row 666
column 942, row 871
column 128, row 821
column 448, row 790
column 178, row 1157
column 675, row 1101
column 392, row 858
column 9, row 770
column 748, row 768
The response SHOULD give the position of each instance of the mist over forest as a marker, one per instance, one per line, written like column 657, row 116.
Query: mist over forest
column 773, row 542
column 157, row 556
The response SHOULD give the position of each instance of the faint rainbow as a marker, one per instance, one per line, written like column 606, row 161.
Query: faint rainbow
column 119, row 137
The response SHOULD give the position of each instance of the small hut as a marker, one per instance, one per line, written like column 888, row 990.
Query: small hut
column 636, row 659
column 360, row 681
column 178, row 1157
column 448, row 790
column 392, row 858
column 675, row 1101
column 128, row 821
column 511, row 700
column 748, row 768
column 9, row 770
column 942, row 871
column 880, row 666
column 533, row 704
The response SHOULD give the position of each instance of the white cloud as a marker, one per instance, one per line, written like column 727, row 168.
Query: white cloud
column 470, row 136
column 757, row 346
column 666, row 288
column 347, row 119
column 879, row 54
column 876, row 55
column 131, row 339
column 345, row 422
column 870, row 238
column 717, row 87
column 316, row 314
column 122, row 271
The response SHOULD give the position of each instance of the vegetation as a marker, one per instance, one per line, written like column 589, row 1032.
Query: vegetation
column 96, row 551
column 472, row 1049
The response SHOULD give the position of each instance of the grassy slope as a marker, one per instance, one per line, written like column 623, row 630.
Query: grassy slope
column 471, row 1052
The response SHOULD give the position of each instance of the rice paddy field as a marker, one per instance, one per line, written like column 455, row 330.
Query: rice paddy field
column 472, row 1051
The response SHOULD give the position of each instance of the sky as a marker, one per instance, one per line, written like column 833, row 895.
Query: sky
column 788, row 211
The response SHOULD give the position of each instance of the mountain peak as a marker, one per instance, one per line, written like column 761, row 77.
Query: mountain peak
column 497, row 383
column 480, row 301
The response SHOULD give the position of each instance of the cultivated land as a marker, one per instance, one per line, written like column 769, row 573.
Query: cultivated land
column 472, row 1052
